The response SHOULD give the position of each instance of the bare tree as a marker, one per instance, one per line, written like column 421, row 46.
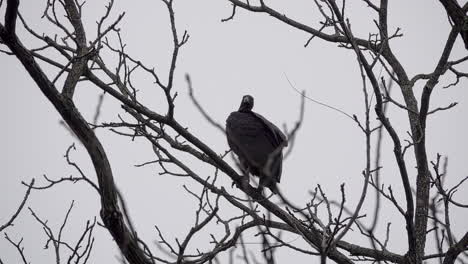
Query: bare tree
column 77, row 58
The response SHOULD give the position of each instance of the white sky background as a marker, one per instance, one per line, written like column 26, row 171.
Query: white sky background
column 248, row 55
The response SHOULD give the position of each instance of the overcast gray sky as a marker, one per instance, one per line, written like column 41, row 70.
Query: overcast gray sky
column 248, row 55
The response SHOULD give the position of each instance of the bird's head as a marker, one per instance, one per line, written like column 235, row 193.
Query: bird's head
column 246, row 104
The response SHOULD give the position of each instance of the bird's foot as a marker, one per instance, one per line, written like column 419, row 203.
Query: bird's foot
column 234, row 183
column 260, row 189
column 243, row 182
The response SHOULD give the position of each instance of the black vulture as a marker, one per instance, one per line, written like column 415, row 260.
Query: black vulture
column 257, row 142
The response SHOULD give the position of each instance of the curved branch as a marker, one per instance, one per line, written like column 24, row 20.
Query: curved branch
column 110, row 211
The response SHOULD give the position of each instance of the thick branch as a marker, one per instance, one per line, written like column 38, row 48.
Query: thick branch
column 423, row 177
column 456, row 249
column 78, row 62
column 356, row 250
column 458, row 16
column 10, row 16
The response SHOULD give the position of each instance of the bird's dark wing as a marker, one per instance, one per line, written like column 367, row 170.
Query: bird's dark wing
column 274, row 132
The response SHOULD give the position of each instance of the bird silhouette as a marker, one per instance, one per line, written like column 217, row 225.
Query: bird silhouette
column 258, row 144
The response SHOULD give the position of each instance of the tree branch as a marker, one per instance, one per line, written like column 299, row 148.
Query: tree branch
column 78, row 62
column 20, row 207
column 458, row 16
column 456, row 249
column 424, row 175
column 11, row 14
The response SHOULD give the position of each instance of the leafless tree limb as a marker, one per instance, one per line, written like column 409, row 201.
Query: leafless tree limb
column 20, row 207
column 199, row 107
column 18, row 247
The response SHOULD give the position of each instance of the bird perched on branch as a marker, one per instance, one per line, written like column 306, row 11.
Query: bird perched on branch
column 257, row 142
